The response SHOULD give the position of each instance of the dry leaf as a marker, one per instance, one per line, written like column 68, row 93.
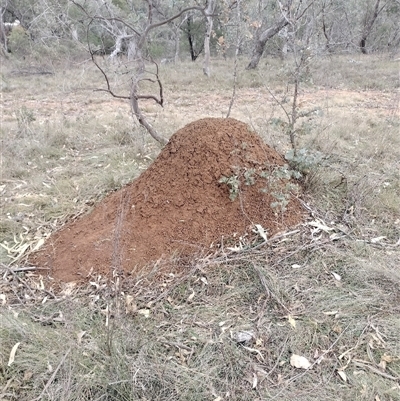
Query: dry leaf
column 387, row 358
column 12, row 354
column 255, row 380
column 376, row 341
column 377, row 239
column 131, row 306
column 80, row 335
column 237, row 248
column 27, row 375
column 3, row 299
column 190, row 297
column 330, row 313
column 261, row 232
column 342, row 375
column 259, row 342
column 299, row 362
column 144, row 312
column 336, row 276
column 320, row 226
column 242, row 336
column 255, row 351
column 292, row 321
column 38, row 244
column 69, row 288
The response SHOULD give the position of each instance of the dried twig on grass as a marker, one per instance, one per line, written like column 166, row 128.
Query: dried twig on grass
column 168, row 291
column 22, row 269
column 266, row 287
column 367, row 365
column 53, row 376
column 317, row 361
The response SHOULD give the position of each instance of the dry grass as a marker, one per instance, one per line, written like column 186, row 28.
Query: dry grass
column 173, row 335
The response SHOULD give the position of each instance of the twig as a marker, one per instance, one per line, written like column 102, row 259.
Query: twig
column 312, row 365
column 21, row 281
column 24, row 269
column 269, row 292
column 166, row 292
column 277, row 359
column 109, row 90
column 375, row 370
column 53, row 376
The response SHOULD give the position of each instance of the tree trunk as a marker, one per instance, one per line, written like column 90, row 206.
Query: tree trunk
column 363, row 45
column 367, row 28
column 193, row 55
column 177, row 36
column 177, row 44
column 326, row 33
column 262, row 39
column 285, row 47
column 209, row 11
column 3, row 34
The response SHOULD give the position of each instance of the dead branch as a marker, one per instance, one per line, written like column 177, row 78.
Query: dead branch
column 139, row 71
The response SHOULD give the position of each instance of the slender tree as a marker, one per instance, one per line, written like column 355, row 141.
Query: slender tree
column 136, row 38
column 368, row 23
column 3, row 34
column 209, row 15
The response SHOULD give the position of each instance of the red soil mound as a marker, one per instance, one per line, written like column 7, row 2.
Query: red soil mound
column 177, row 205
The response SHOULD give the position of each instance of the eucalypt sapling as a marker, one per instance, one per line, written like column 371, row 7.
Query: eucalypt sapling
column 233, row 185
column 278, row 182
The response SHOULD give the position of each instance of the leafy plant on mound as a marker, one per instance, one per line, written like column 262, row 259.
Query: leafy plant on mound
column 278, row 182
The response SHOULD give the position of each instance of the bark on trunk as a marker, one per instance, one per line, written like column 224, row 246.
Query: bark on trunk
column 190, row 36
column 367, row 28
column 209, row 11
column 261, row 41
column 326, row 33
column 177, row 44
column 3, row 34
column 177, row 36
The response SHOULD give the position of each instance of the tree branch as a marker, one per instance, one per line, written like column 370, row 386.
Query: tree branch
column 166, row 21
column 109, row 90
column 100, row 18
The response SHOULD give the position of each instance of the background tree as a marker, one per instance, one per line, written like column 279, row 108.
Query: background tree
column 284, row 14
column 368, row 23
column 112, row 20
column 155, row 29
column 209, row 16
column 194, row 32
column 3, row 34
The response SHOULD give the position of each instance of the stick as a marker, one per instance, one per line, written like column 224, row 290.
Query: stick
column 376, row 370
column 24, row 269
column 53, row 376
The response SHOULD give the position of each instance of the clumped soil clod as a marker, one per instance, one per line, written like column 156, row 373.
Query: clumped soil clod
column 177, row 205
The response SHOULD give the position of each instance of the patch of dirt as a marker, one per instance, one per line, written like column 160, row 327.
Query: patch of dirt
column 177, row 206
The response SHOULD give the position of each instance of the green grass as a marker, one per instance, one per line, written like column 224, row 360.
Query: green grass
column 65, row 146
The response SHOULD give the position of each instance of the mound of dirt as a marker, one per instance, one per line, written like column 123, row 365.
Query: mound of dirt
column 178, row 205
